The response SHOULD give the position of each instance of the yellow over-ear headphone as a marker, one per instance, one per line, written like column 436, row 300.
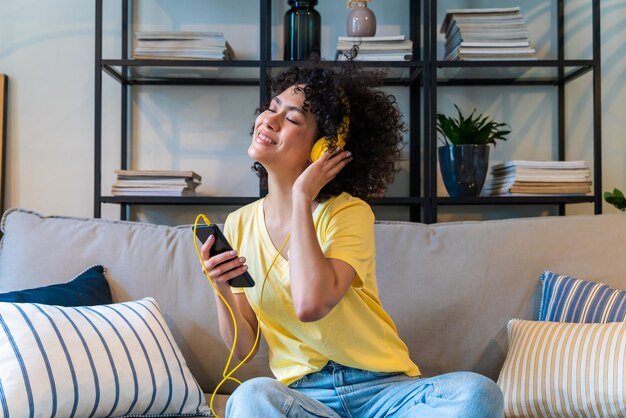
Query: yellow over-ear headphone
column 322, row 145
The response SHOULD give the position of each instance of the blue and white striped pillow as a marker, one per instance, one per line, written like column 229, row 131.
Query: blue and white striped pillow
column 567, row 299
column 108, row 360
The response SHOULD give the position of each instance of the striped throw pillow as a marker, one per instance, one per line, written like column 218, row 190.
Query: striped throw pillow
column 567, row 299
column 556, row 369
column 107, row 360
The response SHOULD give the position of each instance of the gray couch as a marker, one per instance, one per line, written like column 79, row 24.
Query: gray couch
column 449, row 287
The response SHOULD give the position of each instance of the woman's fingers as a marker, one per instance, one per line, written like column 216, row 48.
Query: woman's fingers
column 320, row 172
column 332, row 153
column 206, row 247
column 216, row 269
column 218, row 259
column 227, row 271
column 225, row 266
column 338, row 161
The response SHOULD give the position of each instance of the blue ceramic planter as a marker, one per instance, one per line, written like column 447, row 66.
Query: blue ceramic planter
column 464, row 168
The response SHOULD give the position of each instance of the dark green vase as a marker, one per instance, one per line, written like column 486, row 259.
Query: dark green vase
column 464, row 168
column 302, row 30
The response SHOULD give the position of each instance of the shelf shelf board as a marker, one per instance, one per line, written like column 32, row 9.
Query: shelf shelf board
column 515, row 200
column 397, row 73
column 179, row 63
column 496, row 73
column 398, row 201
column 232, row 201
column 183, row 72
column 231, row 73
column 401, row 64
column 180, row 200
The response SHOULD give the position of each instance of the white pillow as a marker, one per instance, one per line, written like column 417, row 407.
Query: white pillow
column 556, row 369
column 107, row 360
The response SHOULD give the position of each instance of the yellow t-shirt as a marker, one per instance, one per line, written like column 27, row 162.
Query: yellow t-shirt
column 357, row 332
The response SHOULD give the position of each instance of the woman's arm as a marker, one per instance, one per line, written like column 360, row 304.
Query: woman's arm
column 317, row 283
column 222, row 268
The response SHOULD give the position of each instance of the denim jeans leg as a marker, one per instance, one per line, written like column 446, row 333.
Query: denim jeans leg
column 451, row 395
column 264, row 397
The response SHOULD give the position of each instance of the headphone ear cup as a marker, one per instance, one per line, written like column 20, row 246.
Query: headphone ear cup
column 319, row 148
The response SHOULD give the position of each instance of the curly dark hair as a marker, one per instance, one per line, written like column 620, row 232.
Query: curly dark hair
column 376, row 126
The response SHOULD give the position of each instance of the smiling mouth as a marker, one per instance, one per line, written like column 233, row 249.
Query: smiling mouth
column 262, row 138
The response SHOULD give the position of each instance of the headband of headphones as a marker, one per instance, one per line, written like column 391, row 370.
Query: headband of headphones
column 342, row 132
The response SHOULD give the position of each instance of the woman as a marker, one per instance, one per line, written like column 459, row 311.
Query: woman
column 333, row 349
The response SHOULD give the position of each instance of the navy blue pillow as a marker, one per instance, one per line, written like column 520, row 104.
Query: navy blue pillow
column 88, row 288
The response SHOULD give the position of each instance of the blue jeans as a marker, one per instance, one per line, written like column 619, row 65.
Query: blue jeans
column 339, row 391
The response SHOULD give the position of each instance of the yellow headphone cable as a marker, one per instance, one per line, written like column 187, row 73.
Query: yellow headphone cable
column 228, row 375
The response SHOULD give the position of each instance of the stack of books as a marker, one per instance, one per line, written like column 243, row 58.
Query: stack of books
column 539, row 177
column 182, row 45
column 486, row 34
column 375, row 48
column 155, row 183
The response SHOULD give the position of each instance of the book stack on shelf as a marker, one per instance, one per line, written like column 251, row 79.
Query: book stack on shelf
column 486, row 34
column 539, row 177
column 155, row 183
column 182, row 45
column 375, row 48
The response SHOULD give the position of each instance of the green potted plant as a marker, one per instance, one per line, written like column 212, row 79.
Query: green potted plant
column 464, row 159
column 616, row 198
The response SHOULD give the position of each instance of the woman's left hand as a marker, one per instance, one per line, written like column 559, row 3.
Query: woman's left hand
column 321, row 172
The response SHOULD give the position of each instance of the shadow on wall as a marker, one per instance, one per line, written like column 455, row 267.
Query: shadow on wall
column 614, row 35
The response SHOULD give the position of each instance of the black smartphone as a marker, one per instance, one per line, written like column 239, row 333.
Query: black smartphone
column 221, row 245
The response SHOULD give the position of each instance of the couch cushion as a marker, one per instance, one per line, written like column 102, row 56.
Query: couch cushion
column 451, row 287
column 558, row 369
column 87, row 288
column 107, row 360
column 567, row 299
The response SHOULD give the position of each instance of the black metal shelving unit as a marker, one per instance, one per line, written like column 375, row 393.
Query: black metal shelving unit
column 556, row 73
column 422, row 76
column 135, row 72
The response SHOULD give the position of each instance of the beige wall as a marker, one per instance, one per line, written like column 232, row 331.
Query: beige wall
column 47, row 49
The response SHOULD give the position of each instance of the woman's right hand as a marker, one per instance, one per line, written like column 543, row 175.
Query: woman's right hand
column 222, row 267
